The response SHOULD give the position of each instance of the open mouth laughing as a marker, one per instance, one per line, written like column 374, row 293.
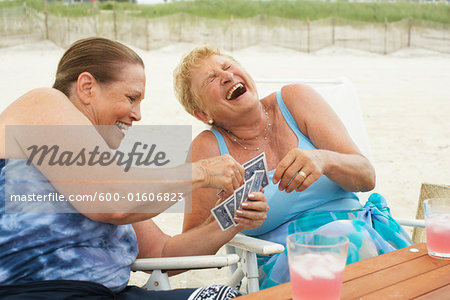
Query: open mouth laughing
column 237, row 90
column 122, row 126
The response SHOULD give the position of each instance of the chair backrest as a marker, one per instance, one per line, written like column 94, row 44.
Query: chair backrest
column 341, row 95
column 428, row 191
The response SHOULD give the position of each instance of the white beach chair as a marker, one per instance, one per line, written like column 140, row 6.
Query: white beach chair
column 242, row 265
column 159, row 278
column 342, row 97
column 243, row 250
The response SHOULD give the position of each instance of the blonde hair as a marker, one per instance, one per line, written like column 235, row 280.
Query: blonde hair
column 182, row 76
column 101, row 57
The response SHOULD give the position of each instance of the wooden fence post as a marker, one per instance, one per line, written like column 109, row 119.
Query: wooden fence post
column 231, row 33
column 115, row 22
column 25, row 18
column 333, row 31
column 385, row 35
column 46, row 23
column 95, row 17
column 68, row 30
column 45, row 20
column 180, row 27
column 261, row 26
column 308, row 41
column 410, row 23
column 147, row 35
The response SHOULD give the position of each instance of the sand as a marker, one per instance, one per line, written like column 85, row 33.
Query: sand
column 405, row 99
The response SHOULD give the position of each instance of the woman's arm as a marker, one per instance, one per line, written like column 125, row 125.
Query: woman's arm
column 202, row 240
column 67, row 128
column 337, row 156
column 204, row 198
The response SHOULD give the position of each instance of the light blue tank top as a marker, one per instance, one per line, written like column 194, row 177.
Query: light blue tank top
column 322, row 195
column 52, row 246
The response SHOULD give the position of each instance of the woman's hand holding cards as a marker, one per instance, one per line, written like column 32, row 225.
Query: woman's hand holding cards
column 253, row 213
column 231, row 211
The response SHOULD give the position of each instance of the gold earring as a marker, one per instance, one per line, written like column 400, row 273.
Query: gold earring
column 211, row 121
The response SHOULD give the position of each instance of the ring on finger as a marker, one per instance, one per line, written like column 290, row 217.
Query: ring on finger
column 303, row 174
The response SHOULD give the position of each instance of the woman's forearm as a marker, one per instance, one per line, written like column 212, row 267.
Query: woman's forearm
column 353, row 172
column 203, row 240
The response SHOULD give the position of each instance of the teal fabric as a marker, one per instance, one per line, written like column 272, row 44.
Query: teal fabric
column 371, row 231
column 222, row 146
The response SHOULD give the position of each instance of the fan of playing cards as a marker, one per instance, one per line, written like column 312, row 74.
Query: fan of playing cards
column 256, row 175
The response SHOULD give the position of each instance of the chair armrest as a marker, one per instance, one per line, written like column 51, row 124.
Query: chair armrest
column 411, row 222
column 255, row 245
column 184, row 262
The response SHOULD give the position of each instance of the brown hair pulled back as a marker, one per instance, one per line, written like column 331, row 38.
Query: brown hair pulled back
column 101, row 57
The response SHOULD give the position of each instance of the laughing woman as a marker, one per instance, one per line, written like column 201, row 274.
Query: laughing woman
column 315, row 167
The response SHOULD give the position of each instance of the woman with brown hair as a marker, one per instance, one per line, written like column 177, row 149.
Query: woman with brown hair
column 71, row 249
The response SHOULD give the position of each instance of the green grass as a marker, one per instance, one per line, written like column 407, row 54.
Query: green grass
column 223, row 9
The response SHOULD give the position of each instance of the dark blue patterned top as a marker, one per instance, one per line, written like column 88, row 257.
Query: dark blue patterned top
column 51, row 246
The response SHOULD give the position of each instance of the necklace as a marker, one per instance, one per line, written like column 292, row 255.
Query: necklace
column 238, row 140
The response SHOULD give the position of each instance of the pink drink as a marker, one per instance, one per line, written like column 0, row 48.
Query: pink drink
column 438, row 235
column 315, row 276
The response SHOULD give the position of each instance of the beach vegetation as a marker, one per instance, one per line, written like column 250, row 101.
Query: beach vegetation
column 375, row 12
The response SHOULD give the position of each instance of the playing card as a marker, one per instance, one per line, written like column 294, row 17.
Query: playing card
column 247, row 185
column 229, row 206
column 257, row 181
column 239, row 196
column 222, row 217
column 254, row 159
column 257, row 163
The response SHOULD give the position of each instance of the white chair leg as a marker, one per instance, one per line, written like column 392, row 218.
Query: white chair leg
column 158, row 281
column 231, row 250
column 236, row 278
column 250, row 268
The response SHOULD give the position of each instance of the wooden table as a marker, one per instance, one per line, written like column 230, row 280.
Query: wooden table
column 401, row 274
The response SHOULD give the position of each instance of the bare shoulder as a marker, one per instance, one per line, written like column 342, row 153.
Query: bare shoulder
column 204, row 146
column 302, row 99
column 43, row 96
column 46, row 92
column 307, row 106
column 294, row 94
column 43, row 106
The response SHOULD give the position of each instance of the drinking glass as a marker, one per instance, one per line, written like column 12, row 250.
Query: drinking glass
column 316, row 265
column 437, row 221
